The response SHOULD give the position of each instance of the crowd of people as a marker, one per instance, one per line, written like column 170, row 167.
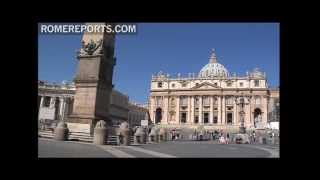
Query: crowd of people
column 221, row 136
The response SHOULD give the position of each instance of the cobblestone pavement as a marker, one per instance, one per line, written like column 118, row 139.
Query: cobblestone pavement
column 170, row 149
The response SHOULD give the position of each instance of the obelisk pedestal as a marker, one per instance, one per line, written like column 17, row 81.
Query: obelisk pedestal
column 93, row 80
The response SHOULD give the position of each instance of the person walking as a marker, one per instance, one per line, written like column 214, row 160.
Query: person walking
column 227, row 139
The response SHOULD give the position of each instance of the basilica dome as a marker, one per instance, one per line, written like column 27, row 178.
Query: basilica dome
column 213, row 68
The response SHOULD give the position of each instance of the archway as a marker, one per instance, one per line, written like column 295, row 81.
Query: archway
column 158, row 115
column 257, row 116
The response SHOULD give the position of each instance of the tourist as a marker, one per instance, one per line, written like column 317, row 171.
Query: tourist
column 222, row 140
column 254, row 136
column 250, row 138
column 173, row 135
column 227, row 139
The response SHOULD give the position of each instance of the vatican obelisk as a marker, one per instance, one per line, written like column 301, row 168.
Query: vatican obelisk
column 93, row 81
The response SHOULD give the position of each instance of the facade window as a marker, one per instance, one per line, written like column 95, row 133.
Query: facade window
column 196, row 119
column 216, row 84
column 256, row 83
column 215, row 101
column 158, row 101
column 229, row 118
column 241, row 84
column 229, row 84
column 184, row 85
column 46, row 101
column 183, row 117
column 205, row 117
column 229, row 100
column 183, row 101
column 159, row 84
column 197, row 84
column 173, row 85
column 206, row 101
column 215, row 117
column 258, row 100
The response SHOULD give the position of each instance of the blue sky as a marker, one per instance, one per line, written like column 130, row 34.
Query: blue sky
column 172, row 48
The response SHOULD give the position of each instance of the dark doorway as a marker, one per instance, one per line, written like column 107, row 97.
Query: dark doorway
column 215, row 119
column 205, row 118
column 183, row 117
column 257, row 112
column 196, row 119
column 158, row 115
column 257, row 116
column 229, row 118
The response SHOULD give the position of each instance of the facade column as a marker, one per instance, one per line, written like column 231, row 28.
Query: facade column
column 192, row 110
column 235, row 111
column 152, row 109
column 200, row 110
column 219, row 110
column 264, row 114
column 165, row 110
column 211, row 110
column 223, row 112
column 250, row 115
column 177, row 120
column 189, row 110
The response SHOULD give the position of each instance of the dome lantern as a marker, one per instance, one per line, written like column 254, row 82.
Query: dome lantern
column 213, row 68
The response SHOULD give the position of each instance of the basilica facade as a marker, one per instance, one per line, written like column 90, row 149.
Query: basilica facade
column 213, row 99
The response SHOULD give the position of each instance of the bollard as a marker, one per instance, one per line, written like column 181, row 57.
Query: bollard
column 100, row 133
column 124, row 134
column 162, row 135
column 153, row 136
column 139, row 136
column 61, row 132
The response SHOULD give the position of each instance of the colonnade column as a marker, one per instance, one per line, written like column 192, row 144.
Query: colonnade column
column 41, row 101
column 52, row 102
column 61, row 108
column 41, row 105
